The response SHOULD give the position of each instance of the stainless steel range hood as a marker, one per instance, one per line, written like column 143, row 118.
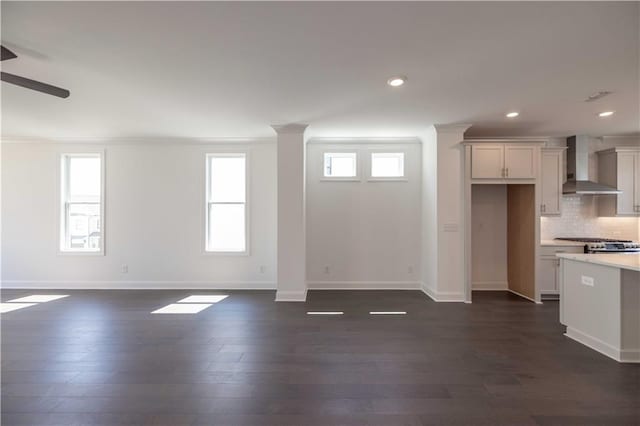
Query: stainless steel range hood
column 578, row 170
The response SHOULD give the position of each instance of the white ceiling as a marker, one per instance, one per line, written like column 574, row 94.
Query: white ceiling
column 172, row 69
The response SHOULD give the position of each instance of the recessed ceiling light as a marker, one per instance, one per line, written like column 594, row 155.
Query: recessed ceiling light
column 513, row 114
column 606, row 114
column 397, row 81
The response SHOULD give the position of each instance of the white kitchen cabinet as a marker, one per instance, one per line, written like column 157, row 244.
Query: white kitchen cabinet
column 503, row 161
column 520, row 162
column 552, row 178
column 620, row 168
column 487, row 161
column 548, row 272
column 548, row 276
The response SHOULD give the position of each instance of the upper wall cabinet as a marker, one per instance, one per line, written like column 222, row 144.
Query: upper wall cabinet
column 487, row 161
column 620, row 168
column 503, row 161
column 551, row 179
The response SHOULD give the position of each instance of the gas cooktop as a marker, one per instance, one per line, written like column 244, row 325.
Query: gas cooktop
column 605, row 245
column 592, row 240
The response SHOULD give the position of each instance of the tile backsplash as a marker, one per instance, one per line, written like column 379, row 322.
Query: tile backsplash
column 580, row 219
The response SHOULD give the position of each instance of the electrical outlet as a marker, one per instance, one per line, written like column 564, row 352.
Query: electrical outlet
column 263, row 269
column 326, row 269
column 125, row 268
column 587, row 281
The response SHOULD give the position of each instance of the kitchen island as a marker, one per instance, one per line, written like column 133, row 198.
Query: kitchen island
column 600, row 302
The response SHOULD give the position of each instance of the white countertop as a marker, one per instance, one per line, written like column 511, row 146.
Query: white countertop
column 561, row 243
column 629, row 261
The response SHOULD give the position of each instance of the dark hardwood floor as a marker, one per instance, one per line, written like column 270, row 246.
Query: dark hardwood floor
column 101, row 357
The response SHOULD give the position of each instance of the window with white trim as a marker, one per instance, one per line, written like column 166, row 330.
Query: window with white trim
column 387, row 164
column 340, row 165
column 81, row 207
column 226, row 209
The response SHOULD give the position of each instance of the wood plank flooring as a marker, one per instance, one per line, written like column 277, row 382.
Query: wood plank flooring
column 102, row 358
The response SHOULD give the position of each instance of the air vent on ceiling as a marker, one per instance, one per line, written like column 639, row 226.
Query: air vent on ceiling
column 597, row 95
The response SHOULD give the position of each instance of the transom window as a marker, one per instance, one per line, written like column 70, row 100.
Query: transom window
column 226, row 224
column 340, row 164
column 387, row 164
column 81, row 224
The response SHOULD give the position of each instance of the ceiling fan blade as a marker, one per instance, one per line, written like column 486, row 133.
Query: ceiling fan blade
column 34, row 85
column 6, row 54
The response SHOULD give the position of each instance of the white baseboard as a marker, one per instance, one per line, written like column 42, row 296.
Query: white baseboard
column 603, row 347
column 291, row 296
column 363, row 285
column 442, row 296
column 139, row 285
column 630, row 355
column 489, row 285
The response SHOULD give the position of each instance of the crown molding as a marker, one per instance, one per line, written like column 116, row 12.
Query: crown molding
column 530, row 141
column 518, row 139
column 291, row 128
column 365, row 140
column 452, row 127
column 627, row 136
column 135, row 141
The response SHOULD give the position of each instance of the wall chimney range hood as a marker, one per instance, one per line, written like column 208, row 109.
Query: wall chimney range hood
column 578, row 182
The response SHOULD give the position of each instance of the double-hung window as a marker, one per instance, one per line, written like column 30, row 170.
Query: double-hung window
column 82, row 203
column 226, row 203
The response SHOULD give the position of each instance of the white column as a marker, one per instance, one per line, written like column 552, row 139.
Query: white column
column 291, row 286
column 443, row 262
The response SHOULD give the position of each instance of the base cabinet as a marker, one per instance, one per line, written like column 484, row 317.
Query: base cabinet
column 549, row 272
column 549, row 275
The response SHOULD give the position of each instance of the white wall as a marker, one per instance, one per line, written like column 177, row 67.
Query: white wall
column 489, row 237
column 451, row 213
column 443, row 258
column 291, row 236
column 429, row 260
column 154, row 219
column 367, row 233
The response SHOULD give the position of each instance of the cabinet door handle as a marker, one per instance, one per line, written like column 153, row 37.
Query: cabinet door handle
column 543, row 208
column 506, row 172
